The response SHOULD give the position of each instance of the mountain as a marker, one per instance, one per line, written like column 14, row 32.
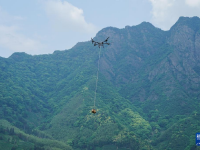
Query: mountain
column 147, row 97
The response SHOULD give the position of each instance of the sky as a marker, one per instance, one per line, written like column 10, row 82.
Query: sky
column 43, row 26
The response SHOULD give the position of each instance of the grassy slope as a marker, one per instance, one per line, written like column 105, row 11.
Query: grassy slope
column 20, row 140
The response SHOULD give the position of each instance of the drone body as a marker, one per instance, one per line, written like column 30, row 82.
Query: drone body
column 100, row 43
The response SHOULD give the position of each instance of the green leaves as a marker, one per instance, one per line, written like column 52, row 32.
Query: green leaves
column 148, row 91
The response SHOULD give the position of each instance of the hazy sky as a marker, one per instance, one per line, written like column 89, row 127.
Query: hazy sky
column 42, row 26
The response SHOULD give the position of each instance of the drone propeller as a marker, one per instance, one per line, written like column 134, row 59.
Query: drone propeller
column 92, row 41
column 100, row 43
column 106, row 39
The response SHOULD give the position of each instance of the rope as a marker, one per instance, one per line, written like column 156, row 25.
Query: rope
column 97, row 79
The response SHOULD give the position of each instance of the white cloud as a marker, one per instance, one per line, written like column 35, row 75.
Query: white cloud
column 10, row 39
column 166, row 12
column 193, row 3
column 6, row 18
column 65, row 16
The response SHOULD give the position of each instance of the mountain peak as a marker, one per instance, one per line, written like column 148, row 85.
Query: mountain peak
column 191, row 22
column 144, row 23
column 187, row 19
column 108, row 31
column 19, row 56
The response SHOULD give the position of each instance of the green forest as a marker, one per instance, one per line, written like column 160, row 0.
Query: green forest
column 148, row 95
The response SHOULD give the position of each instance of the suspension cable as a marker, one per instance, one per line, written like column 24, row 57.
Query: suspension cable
column 97, row 77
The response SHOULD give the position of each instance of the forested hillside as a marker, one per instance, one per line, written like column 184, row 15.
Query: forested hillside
column 148, row 94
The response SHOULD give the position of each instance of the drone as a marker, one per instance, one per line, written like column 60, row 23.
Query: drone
column 100, row 43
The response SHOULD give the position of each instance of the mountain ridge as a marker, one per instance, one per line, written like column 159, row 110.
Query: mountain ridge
column 148, row 82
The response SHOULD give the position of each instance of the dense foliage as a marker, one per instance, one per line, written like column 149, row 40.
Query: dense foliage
column 147, row 98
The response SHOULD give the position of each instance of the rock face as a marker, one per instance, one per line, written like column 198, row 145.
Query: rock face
column 143, row 57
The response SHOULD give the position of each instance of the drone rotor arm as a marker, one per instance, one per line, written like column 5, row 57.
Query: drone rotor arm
column 106, row 39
